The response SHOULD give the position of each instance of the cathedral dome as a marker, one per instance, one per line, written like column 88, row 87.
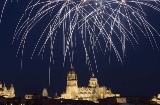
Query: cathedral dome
column 93, row 82
column 93, row 78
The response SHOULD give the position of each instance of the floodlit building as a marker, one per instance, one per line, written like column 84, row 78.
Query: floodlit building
column 7, row 93
column 45, row 92
column 32, row 96
column 155, row 99
column 92, row 92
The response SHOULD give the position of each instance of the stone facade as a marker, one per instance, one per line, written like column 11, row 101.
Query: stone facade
column 92, row 92
column 156, row 100
column 7, row 93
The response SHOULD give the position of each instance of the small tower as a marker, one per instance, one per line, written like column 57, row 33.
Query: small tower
column 12, row 91
column 72, row 86
column 45, row 92
column 0, row 85
column 56, row 96
column 4, row 88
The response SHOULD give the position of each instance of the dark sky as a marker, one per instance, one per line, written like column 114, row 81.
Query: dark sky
column 138, row 76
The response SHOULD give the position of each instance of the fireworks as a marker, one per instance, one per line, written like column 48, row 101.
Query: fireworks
column 102, row 25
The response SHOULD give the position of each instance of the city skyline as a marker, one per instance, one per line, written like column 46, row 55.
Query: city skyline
column 138, row 75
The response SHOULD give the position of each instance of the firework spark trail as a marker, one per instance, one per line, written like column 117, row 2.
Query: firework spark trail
column 3, row 10
column 5, row 3
column 92, row 19
column 92, row 16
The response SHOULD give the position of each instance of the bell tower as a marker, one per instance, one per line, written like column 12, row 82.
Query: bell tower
column 45, row 92
column 72, row 85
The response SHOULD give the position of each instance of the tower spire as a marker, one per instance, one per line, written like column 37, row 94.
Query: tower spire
column 72, row 68
column 92, row 74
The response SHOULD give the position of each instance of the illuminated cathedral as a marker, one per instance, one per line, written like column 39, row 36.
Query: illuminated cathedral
column 92, row 92
column 7, row 93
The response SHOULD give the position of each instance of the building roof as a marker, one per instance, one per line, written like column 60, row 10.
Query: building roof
column 71, row 71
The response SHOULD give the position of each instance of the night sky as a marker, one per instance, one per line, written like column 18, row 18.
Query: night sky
column 138, row 76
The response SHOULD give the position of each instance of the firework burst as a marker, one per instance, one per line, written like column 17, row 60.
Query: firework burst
column 102, row 25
